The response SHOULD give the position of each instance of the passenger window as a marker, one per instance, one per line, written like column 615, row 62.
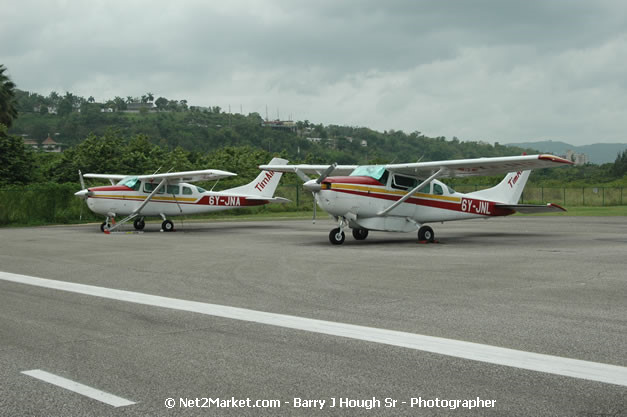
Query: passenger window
column 149, row 187
column 403, row 183
column 173, row 189
column 187, row 191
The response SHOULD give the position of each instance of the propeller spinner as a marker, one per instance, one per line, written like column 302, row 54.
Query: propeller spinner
column 315, row 186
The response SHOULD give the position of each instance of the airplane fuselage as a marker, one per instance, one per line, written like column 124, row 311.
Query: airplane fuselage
column 360, row 199
column 173, row 200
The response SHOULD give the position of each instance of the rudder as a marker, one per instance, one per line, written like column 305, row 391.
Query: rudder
column 508, row 190
column 266, row 182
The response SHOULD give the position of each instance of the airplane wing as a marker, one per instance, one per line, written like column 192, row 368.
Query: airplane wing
column 477, row 167
column 110, row 177
column 309, row 169
column 532, row 208
column 188, row 176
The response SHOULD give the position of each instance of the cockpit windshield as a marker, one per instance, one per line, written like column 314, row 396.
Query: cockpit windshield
column 373, row 171
column 130, row 182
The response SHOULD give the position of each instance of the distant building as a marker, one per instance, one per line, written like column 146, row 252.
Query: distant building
column 137, row 107
column 48, row 145
column 32, row 143
column 51, row 109
column 577, row 158
column 280, row 124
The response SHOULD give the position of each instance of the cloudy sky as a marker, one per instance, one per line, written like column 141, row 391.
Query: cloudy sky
column 492, row 70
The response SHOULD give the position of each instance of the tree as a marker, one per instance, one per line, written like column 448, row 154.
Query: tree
column 620, row 165
column 120, row 104
column 161, row 103
column 8, row 105
column 16, row 160
column 66, row 105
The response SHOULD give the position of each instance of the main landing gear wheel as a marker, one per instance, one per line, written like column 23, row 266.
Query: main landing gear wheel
column 102, row 226
column 360, row 234
column 139, row 224
column 425, row 233
column 167, row 226
column 336, row 236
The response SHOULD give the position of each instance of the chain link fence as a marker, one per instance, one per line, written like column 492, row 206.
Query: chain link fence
column 567, row 196
column 56, row 203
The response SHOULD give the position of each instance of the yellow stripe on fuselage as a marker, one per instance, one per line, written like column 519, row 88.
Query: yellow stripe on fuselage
column 353, row 187
column 143, row 197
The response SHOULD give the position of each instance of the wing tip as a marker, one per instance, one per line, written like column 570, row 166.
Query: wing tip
column 554, row 158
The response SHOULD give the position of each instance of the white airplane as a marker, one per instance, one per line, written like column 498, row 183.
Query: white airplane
column 404, row 197
column 171, row 194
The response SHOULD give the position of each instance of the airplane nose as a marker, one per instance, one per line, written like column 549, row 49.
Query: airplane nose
column 312, row 186
column 83, row 194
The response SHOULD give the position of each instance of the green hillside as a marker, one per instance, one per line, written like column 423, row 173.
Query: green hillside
column 138, row 136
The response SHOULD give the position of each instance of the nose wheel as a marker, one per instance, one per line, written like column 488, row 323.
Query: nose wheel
column 337, row 236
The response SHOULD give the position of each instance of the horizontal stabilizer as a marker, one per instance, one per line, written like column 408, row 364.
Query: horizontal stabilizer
column 532, row 208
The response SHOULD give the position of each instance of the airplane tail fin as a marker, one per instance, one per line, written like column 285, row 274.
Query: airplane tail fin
column 507, row 191
column 265, row 184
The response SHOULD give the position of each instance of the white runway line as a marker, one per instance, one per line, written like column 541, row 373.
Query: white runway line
column 593, row 371
column 78, row 388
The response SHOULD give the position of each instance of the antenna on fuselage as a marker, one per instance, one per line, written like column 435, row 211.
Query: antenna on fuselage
column 158, row 169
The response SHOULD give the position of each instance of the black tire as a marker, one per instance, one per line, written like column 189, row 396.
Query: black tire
column 139, row 224
column 425, row 234
column 167, row 226
column 336, row 236
column 102, row 226
column 360, row 234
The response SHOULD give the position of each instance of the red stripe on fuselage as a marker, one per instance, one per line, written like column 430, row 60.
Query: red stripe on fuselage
column 446, row 205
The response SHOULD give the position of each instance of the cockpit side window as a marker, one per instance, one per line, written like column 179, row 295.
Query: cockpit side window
column 187, row 191
column 437, row 189
column 402, row 182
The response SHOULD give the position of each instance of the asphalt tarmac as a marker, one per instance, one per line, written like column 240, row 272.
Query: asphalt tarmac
column 555, row 286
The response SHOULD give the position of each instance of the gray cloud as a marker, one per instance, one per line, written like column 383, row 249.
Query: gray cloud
column 479, row 69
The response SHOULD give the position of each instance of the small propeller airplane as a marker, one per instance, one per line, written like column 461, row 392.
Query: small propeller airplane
column 171, row 194
column 404, row 197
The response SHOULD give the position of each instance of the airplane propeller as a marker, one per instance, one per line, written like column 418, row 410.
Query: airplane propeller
column 315, row 186
column 84, row 192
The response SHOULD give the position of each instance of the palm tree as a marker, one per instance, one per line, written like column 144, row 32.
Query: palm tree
column 8, row 107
